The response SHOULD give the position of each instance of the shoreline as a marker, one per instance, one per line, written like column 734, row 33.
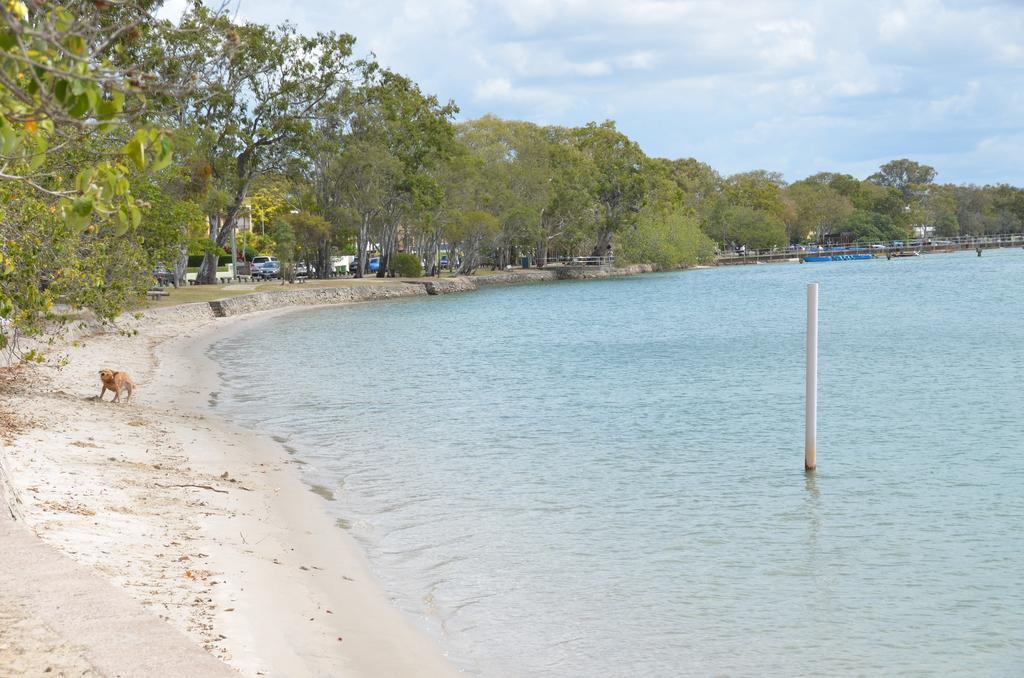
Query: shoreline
column 197, row 519
column 208, row 526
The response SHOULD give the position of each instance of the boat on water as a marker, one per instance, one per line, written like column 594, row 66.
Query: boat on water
column 909, row 253
column 816, row 258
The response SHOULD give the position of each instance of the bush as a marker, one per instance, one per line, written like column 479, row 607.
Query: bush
column 407, row 265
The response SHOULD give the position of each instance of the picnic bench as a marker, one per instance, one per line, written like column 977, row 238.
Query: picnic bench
column 157, row 292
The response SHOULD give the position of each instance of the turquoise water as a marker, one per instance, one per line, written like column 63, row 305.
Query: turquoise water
column 606, row 478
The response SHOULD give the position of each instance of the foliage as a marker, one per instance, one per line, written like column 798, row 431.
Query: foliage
column 285, row 247
column 321, row 149
column 407, row 265
column 863, row 226
column 58, row 83
column 906, row 176
column 756, row 229
column 168, row 222
column 266, row 203
column 618, row 178
column 73, row 138
column 817, row 210
column 256, row 107
column 310, row 233
column 670, row 238
column 48, row 268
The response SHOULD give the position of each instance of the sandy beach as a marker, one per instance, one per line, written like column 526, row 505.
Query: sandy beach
column 208, row 526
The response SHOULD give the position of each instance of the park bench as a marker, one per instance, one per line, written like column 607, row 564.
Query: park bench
column 157, row 292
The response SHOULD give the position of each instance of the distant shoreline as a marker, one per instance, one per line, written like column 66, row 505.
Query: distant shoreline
column 309, row 294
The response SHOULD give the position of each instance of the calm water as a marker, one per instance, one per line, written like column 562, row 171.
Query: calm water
column 606, row 478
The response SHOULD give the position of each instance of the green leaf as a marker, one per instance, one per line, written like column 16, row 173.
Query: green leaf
column 40, row 152
column 9, row 140
column 136, row 215
column 77, row 214
column 135, row 152
column 84, row 178
column 121, row 227
column 63, row 19
column 163, row 156
column 61, row 91
column 79, row 107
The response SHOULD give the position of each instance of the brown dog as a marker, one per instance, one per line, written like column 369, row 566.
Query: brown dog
column 116, row 382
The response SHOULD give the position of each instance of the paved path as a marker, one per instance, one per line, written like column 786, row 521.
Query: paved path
column 60, row 618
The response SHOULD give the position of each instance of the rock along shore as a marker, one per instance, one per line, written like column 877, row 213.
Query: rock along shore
column 317, row 296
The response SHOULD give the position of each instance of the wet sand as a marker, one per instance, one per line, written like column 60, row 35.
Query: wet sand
column 208, row 526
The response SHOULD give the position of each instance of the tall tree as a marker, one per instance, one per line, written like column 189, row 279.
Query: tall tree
column 413, row 129
column 818, row 209
column 619, row 179
column 906, row 176
column 255, row 108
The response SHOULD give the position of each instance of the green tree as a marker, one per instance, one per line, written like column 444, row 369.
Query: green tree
column 864, row 227
column 755, row 229
column 759, row 190
column 670, row 238
column 940, row 211
column 619, row 182
column 311, row 234
column 818, row 210
column 414, row 129
column 256, row 107
column 906, row 176
column 285, row 247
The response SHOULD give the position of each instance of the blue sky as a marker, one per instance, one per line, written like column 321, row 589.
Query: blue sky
column 796, row 87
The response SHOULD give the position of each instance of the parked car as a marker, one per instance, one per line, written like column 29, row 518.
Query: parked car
column 372, row 265
column 163, row 276
column 265, row 267
column 301, row 269
column 444, row 261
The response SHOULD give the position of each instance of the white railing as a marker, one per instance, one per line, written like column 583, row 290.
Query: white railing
column 580, row 261
column 931, row 243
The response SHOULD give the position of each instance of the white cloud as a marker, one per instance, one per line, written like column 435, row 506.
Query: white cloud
column 786, row 43
column 684, row 76
column 956, row 104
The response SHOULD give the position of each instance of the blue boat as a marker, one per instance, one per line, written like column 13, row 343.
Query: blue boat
column 837, row 257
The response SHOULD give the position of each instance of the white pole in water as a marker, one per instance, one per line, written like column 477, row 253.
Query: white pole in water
column 811, row 430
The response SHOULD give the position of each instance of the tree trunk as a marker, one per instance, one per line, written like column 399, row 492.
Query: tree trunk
column 362, row 240
column 181, row 267
column 208, row 270
column 323, row 260
column 604, row 241
column 388, row 246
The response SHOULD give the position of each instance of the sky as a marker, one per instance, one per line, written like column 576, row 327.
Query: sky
column 788, row 86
